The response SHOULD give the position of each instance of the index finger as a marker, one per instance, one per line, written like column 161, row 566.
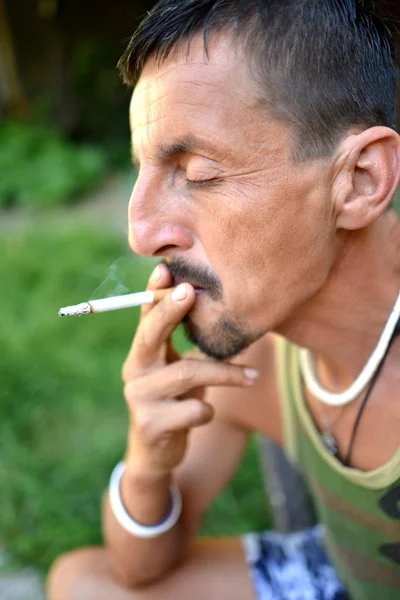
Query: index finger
column 160, row 279
column 158, row 325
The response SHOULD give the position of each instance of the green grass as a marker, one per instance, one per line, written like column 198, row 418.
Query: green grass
column 62, row 413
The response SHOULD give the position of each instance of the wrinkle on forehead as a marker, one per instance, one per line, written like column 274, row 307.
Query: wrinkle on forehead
column 182, row 88
column 156, row 82
column 224, row 68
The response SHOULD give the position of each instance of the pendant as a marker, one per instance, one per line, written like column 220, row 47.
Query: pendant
column 330, row 443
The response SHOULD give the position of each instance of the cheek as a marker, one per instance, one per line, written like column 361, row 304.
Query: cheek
column 271, row 258
column 237, row 248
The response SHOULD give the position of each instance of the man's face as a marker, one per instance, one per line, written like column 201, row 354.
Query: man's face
column 220, row 198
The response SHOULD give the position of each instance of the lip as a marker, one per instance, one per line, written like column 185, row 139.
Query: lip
column 199, row 291
column 197, row 288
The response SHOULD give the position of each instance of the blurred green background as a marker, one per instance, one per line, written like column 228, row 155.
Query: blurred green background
column 65, row 182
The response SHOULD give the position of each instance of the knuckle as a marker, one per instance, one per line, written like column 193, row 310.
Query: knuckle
column 134, row 392
column 186, row 371
column 231, row 373
column 144, row 423
column 130, row 391
column 128, row 371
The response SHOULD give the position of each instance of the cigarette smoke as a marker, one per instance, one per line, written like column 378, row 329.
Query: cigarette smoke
column 119, row 280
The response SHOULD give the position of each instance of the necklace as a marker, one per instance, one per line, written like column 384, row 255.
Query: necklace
column 308, row 368
column 327, row 437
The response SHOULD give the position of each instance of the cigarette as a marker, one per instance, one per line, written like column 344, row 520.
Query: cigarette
column 113, row 303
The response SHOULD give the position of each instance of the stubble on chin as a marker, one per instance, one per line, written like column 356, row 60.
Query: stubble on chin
column 222, row 341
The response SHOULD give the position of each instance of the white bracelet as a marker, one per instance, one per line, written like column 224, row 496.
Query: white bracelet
column 126, row 521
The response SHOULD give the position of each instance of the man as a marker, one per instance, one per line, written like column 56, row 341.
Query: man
column 264, row 137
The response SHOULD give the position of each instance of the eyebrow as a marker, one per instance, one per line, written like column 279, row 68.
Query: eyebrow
column 182, row 145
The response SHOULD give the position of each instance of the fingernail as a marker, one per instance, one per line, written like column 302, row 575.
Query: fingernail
column 179, row 293
column 252, row 374
column 155, row 276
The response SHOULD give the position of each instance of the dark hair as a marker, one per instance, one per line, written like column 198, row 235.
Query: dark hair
column 325, row 65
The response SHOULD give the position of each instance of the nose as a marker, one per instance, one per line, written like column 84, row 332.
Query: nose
column 156, row 226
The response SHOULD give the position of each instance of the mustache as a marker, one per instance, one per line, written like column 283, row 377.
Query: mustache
column 197, row 275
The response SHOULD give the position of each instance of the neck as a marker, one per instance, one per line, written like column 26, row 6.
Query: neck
column 343, row 322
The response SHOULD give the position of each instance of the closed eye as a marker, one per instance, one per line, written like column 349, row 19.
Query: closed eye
column 195, row 184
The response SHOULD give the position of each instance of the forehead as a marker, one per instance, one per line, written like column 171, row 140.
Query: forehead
column 187, row 72
column 191, row 93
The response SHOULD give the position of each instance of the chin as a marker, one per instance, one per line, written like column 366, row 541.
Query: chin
column 223, row 340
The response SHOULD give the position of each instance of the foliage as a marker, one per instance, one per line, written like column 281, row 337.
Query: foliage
column 62, row 414
column 102, row 98
column 40, row 168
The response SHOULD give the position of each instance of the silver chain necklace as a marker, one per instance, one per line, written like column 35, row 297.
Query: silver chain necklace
column 327, row 437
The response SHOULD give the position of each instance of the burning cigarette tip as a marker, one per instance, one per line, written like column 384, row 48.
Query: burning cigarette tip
column 78, row 310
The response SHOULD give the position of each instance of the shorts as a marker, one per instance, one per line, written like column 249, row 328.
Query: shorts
column 292, row 566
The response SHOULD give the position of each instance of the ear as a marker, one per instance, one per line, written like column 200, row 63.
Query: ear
column 367, row 175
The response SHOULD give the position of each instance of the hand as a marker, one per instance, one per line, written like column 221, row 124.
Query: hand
column 164, row 392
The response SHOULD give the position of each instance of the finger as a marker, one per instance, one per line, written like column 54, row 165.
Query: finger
column 153, row 423
column 183, row 376
column 158, row 325
column 195, row 354
column 185, row 415
column 159, row 279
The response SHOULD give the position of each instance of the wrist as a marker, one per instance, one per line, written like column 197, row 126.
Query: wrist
column 143, row 529
column 145, row 475
column 145, row 493
column 140, row 462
